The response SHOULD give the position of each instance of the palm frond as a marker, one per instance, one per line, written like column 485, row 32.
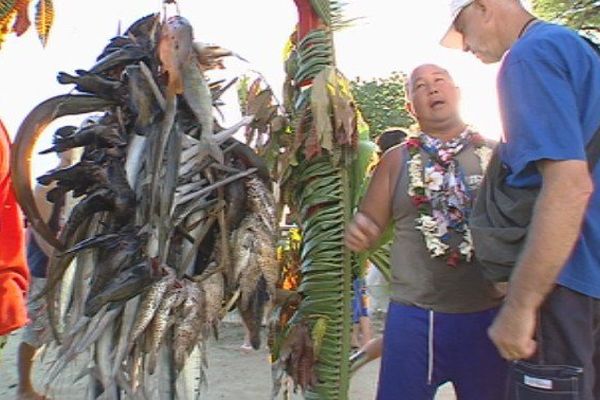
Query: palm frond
column 331, row 12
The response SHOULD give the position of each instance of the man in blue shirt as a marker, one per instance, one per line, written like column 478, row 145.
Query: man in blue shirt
column 549, row 93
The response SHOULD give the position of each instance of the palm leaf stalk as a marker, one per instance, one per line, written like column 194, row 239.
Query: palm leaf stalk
column 320, row 184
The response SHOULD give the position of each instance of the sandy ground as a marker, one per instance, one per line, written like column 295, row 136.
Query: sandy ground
column 232, row 373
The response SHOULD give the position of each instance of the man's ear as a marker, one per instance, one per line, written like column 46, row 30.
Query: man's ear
column 409, row 108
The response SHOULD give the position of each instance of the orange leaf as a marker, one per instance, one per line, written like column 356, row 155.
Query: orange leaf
column 44, row 16
column 22, row 21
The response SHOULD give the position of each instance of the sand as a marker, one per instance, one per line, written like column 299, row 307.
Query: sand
column 232, row 373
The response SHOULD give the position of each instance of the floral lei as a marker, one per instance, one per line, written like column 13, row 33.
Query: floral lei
column 440, row 193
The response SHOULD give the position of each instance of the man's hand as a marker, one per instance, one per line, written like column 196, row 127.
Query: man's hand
column 553, row 233
column 512, row 332
column 361, row 233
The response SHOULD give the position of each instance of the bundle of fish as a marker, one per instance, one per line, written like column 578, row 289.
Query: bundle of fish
column 175, row 222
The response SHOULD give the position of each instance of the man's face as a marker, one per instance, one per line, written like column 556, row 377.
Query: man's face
column 475, row 26
column 433, row 95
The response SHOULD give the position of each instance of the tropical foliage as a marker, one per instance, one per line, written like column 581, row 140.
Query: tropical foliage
column 382, row 102
column 320, row 176
column 578, row 14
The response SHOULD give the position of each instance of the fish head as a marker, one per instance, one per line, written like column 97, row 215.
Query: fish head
column 175, row 48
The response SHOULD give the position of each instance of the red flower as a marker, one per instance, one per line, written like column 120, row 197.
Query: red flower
column 413, row 143
column 417, row 200
column 453, row 258
column 477, row 140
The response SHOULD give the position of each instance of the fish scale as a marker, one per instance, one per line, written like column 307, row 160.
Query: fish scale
column 188, row 331
column 266, row 260
column 261, row 202
column 248, row 280
column 150, row 304
column 214, row 290
column 160, row 322
column 241, row 248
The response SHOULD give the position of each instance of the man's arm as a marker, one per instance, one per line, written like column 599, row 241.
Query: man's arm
column 554, row 231
column 376, row 207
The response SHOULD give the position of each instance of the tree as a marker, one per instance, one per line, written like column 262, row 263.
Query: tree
column 578, row 14
column 382, row 102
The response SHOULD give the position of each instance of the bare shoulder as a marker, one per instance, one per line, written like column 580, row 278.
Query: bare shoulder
column 393, row 157
column 391, row 162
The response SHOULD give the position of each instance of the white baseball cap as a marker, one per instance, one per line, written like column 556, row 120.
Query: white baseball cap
column 452, row 38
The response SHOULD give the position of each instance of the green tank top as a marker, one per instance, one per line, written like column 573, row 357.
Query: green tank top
column 426, row 282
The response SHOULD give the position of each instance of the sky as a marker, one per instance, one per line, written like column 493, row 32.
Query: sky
column 388, row 36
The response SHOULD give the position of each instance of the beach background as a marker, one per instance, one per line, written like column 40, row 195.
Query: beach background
column 232, row 373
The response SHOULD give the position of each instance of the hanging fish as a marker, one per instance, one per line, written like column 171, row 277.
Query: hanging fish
column 150, row 304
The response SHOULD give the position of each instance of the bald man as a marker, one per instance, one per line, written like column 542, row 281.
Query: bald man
column 440, row 304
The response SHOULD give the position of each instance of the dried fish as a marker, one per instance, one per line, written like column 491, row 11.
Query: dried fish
column 92, row 83
column 152, row 275
column 124, row 55
column 150, row 304
column 262, row 203
column 27, row 135
column 175, row 50
column 267, row 261
column 141, row 98
column 127, row 320
column 187, row 331
column 252, row 311
column 127, row 284
column 161, row 321
column 210, row 56
column 214, row 292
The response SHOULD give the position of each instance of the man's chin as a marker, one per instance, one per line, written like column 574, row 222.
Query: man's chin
column 486, row 59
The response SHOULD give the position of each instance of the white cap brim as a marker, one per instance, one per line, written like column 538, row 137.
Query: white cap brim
column 452, row 39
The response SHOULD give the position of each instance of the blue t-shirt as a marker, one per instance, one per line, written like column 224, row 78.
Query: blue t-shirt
column 549, row 92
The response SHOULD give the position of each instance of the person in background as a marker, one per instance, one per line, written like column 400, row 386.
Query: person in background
column 37, row 333
column 441, row 306
column 391, row 137
column 362, row 331
column 14, row 276
column 378, row 288
column 549, row 96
